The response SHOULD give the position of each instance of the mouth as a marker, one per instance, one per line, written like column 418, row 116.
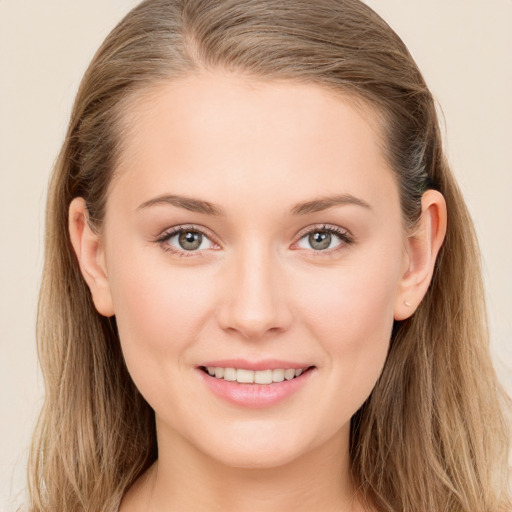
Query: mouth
column 264, row 385
column 255, row 377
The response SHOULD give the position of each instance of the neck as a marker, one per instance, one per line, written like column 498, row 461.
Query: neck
column 185, row 479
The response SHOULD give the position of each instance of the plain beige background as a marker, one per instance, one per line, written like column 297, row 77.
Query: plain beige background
column 464, row 48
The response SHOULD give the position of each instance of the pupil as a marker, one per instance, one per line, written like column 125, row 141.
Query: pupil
column 190, row 240
column 320, row 240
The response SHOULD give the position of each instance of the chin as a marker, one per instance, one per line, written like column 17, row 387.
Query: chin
column 247, row 457
column 265, row 447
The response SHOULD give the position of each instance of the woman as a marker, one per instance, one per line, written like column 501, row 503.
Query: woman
column 270, row 295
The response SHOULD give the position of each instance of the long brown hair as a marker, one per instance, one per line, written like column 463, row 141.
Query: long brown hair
column 431, row 436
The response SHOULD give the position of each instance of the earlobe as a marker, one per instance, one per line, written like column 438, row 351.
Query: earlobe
column 89, row 251
column 422, row 248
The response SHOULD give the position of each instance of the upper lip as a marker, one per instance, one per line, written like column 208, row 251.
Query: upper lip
column 263, row 364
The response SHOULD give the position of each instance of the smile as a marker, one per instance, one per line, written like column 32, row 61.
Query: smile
column 243, row 376
column 258, row 387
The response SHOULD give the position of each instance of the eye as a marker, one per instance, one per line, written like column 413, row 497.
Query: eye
column 186, row 239
column 323, row 239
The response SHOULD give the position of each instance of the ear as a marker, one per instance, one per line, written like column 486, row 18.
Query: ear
column 89, row 251
column 421, row 250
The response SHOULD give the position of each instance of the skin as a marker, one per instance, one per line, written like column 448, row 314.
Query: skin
column 259, row 289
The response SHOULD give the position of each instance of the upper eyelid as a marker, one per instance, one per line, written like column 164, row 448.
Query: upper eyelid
column 323, row 227
column 167, row 233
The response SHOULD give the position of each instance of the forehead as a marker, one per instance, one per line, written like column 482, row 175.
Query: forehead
column 228, row 134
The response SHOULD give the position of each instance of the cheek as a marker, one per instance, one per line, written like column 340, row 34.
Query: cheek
column 159, row 310
column 350, row 311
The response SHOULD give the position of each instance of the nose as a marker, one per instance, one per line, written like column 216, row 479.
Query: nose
column 254, row 301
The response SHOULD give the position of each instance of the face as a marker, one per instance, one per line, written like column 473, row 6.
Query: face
column 253, row 231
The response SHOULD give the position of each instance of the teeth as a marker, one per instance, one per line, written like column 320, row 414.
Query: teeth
column 229, row 374
column 277, row 375
column 263, row 377
column 245, row 376
column 254, row 377
column 289, row 374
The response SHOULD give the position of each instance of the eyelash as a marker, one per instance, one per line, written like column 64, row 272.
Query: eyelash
column 344, row 236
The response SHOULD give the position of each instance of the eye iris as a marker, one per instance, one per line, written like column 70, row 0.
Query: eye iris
column 320, row 240
column 190, row 240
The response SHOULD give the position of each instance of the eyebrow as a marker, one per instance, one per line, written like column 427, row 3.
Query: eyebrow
column 323, row 203
column 187, row 203
column 207, row 208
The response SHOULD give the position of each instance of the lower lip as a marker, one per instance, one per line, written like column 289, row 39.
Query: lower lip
column 255, row 395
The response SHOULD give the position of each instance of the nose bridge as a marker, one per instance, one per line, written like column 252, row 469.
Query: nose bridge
column 255, row 301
